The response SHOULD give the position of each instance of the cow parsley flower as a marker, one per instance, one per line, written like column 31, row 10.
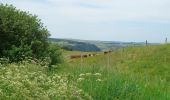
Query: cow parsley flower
column 81, row 75
column 80, row 79
column 97, row 74
column 88, row 74
column 99, row 80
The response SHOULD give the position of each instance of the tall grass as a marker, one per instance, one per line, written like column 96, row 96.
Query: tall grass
column 135, row 73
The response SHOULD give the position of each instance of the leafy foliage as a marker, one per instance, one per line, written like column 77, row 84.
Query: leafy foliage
column 55, row 54
column 23, row 35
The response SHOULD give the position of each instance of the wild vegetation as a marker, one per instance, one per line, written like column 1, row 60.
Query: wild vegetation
column 140, row 73
column 31, row 68
column 23, row 35
column 136, row 73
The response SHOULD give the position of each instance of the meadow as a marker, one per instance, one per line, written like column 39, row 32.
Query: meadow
column 133, row 73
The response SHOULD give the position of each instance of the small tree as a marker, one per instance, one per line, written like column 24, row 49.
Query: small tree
column 22, row 34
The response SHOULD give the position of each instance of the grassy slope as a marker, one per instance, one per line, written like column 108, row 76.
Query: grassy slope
column 133, row 73
column 140, row 73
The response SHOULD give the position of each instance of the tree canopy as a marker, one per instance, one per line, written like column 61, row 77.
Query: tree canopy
column 21, row 34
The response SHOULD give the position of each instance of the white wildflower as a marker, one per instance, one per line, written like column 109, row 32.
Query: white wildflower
column 59, row 77
column 88, row 74
column 81, row 75
column 80, row 79
column 97, row 74
column 99, row 80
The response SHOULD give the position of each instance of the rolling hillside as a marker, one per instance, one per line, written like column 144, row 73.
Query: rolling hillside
column 91, row 45
column 74, row 45
column 134, row 73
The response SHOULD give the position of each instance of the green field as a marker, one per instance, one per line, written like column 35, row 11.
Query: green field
column 134, row 73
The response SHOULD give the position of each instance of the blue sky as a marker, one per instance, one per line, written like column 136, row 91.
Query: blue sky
column 109, row 20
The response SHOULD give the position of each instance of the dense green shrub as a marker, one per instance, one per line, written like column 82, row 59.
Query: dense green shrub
column 23, row 35
column 18, row 53
column 54, row 54
column 4, row 61
column 20, row 33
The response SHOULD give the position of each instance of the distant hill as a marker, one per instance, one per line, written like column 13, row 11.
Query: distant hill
column 92, row 45
column 74, row 45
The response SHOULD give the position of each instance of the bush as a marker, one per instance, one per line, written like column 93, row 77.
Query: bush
column 55, row 54
column 4, row 61
column 23, row 35
column 16, row 54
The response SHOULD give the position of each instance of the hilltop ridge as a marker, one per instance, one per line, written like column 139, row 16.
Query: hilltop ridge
column 94, row 45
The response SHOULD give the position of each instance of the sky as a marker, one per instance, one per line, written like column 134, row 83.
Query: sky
column 108, row 20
